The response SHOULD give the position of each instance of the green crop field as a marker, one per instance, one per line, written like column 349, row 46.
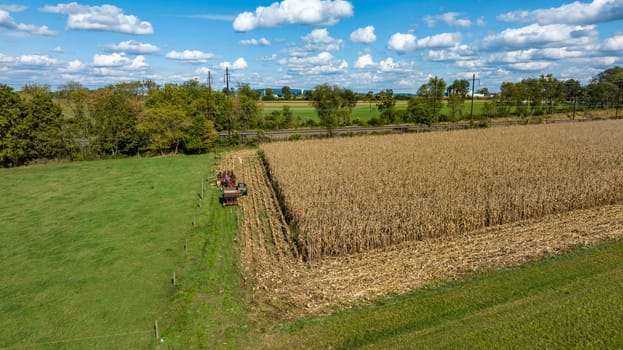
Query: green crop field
column 88, row 250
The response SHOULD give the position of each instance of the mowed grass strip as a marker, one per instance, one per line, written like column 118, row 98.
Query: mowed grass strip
column 569, row 301
column 88, row 249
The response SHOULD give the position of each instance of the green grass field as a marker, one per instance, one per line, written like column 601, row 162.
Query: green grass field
column 88, row 250
column 364, row 111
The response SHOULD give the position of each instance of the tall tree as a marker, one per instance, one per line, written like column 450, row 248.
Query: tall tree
column 385, row 103
column 432, row 93
column 14, row 134
column 44, row 118
column 286, row 92
column 457, row 92
column 114, row 119
column 164, row 127
column 326, row 101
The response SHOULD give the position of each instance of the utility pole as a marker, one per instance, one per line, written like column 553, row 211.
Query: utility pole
column 227, row 79
column 471, row 112
column 616, row 113
column 209, row 81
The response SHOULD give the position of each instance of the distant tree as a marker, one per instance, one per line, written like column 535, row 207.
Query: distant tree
column 457, row 92
column 370, row 98
column 286, row 92
column 604, row 88
column 432, row 94
column 571, row 89
column 483, row 91
column 269, row 94
column 246, row 108
column 419, row 111
column 348, row 101
column 385, row 103
column 326, row 101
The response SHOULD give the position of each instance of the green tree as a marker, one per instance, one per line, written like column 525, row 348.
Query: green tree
column 326, row 101
column 14, row 134
column 164, row 127
column 484, row 91
column 385, row 103
column 114, row 122
column 286, row 92
column 45, row 120
column 432, row 94
column 246, row 108
column 419, row 111
column 457, row 92
column 348, row 101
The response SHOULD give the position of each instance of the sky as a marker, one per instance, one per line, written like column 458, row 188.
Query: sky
column 366, row 45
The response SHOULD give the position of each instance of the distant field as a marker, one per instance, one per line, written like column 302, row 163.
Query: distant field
column 88, row 249
column 364, row 111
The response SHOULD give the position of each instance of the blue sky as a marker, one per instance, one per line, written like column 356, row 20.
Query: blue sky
column 361, row 45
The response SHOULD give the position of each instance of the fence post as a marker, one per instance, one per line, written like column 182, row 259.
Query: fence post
column 173, row 279
column 157, row 333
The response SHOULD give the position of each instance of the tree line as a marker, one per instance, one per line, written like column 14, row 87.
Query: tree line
column 137, row 117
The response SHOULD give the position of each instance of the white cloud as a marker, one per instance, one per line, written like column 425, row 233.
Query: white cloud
column 255, row 42
column 363, row 35
column 13, row 8
column 6, row 21
column 239, row 63
column 76, row 66
column 557, row 35
column 598, row 11
column 134, row 47
column 455, row 53
column 309, row 12
column 388, row 65
column 139, row 62
column 364, row 61
column 451, row 19
column 320, row 40
column 57, row 49
column 113, row 60
column 402, row 42
column 322, row 63
column 105, row 18
column 531, row 66
column 613, row 44
column 440, row 40
column 194, row 56
column 36, row 60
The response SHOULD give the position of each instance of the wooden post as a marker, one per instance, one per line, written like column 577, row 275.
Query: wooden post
column 173, row 279
column 156, row 329
column 194, row 220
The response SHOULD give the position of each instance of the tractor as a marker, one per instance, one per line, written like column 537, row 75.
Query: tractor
column 226, row 181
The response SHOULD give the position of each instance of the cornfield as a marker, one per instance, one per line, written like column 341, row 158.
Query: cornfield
column 349, row 195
